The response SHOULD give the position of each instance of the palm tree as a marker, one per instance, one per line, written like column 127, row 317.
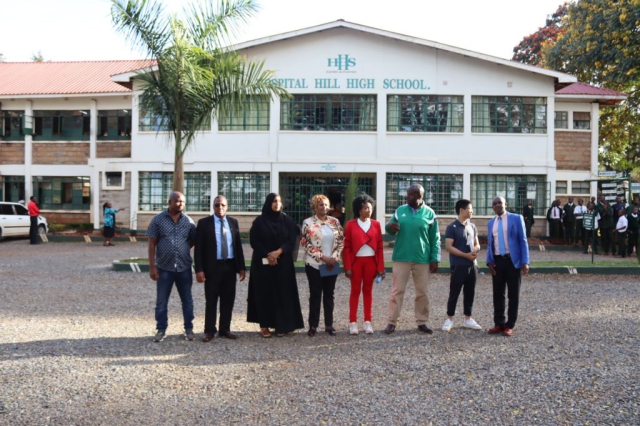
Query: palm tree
column 196, row 74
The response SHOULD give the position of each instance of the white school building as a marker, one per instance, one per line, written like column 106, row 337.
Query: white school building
column 392, row 108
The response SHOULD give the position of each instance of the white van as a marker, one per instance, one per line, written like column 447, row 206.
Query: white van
column 15, row 222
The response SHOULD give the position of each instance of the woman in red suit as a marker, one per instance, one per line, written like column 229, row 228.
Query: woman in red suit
column 363, row 259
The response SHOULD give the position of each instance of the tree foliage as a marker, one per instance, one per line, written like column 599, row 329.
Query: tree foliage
column 529, row 50
column 37, row 57
column 2, row 58
column 196, row 74
column 600, row 44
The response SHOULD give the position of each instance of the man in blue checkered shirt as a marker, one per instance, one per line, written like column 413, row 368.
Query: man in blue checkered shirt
column 171, row 236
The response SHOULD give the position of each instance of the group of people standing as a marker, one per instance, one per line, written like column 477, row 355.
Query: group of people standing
column 612, row 227
column 273, row 299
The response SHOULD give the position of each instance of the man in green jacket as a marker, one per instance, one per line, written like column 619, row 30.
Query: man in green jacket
column 416, row 252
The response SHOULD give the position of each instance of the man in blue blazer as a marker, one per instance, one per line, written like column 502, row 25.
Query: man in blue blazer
column 508, row 260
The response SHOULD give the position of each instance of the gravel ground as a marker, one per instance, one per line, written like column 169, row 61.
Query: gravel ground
column 76, row 349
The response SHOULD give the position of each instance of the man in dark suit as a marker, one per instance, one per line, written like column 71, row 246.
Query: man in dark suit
column 508, row 260
column 527, row 213
column 218, row 258
column 569, row 220
column 554, row 217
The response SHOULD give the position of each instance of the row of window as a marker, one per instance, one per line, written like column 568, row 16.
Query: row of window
column 577, row 187
column 405, row 113
column 66, row 125
column 246, row 192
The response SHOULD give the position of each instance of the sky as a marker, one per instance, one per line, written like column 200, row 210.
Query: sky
column 81, row 30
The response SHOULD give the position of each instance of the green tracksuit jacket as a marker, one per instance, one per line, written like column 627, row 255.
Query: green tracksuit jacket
column 418, row 239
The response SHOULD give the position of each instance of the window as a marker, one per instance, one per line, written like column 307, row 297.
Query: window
column 349, row 113
column 253, row 116
column 516, row 189
column 580, row 188
column 561, row 120
column 62, row 193
column 114, row 124
column 11, row 123
column 62, row 125
column 153, row 118
column 12, row 188
column 506, row 114
column 440, row 191
column 561, row 187
column 415, row 113
column 582, row 120
column 113, row 180
column 245, row 192
column 155, row 188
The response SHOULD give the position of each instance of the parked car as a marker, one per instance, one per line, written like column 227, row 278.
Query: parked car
column 15, row 222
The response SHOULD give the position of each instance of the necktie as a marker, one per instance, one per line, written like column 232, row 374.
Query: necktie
column 501, row 247
column 224, row 250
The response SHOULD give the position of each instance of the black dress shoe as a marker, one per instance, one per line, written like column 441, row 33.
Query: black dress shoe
column 207, row 337
column 425, row 329
column 390, row 328
column 330, row 331
column 228, row 335
column 312, row 332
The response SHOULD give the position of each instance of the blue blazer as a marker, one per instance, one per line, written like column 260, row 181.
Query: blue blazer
column 517, row 238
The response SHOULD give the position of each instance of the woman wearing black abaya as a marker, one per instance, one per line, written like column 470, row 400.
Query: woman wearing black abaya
column 273, row 300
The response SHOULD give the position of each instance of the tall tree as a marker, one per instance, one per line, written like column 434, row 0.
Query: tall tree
column 2, row 58
column 529, row 50
column 600, row 43
column 196, row 74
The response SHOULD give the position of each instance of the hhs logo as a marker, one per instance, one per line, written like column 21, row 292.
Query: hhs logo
column 342, row 62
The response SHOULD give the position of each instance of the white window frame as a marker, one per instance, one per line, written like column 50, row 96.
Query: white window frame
column 104, row 182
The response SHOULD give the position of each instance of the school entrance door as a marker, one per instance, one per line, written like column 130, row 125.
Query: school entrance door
column 296, row 190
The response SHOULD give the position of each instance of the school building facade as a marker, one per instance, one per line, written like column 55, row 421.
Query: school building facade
column 392, row 108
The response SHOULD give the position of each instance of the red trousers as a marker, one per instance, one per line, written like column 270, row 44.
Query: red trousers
column 363, row 272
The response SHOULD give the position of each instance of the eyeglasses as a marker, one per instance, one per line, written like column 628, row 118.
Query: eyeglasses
column 219, row 205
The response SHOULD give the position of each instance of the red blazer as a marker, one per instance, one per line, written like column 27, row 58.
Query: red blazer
column 355, row 238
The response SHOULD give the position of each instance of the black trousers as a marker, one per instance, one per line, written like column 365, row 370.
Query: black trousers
column 506, row 282
column 579, row 231
column 320, row 289
column 527, row 226
column 33, row 230
column 462, row 277
column 554, row 228
column 633, row 241
column 569, row 229
column 606, row 239
column 588, row 239
column 222, row 286
column 622, row 243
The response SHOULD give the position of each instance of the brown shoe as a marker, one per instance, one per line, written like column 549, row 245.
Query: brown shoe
column 496, row 329
column 312, row 331
column 208, row 337
column 330, row 331
column 228, row 335
column 390, row 328
column 507, row 332
column 425, row 329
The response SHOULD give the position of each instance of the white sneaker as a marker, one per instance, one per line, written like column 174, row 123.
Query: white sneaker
column 368, row 328
column 447, row 325
column 353, row 328
column 471, row 323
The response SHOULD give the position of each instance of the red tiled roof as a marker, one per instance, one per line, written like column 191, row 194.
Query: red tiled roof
column 586, row 89
column 61, row 78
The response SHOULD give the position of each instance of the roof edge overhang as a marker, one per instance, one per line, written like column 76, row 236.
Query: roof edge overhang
column 561, row 77
column 65, row 95
column 126, row 77
column 604, row 100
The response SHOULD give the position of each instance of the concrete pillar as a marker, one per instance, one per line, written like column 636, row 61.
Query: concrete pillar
column 28, row 151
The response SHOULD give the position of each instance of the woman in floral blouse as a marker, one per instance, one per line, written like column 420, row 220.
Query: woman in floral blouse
column 323, row 241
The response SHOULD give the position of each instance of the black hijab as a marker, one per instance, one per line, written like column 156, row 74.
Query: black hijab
column 274, row 221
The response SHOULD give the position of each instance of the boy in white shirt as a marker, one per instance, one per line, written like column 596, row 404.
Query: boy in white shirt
column 621, row 233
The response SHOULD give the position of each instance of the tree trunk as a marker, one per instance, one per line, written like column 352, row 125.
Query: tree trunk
column 178, row 165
